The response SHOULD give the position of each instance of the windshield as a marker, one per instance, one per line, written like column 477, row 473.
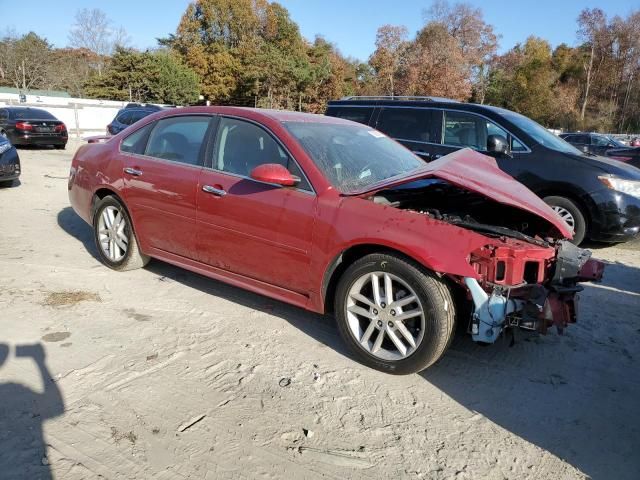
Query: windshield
column 353, row 157
column 540, row 134
column 32, row 114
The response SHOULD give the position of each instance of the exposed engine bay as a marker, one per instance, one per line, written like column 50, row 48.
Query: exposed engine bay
column 528, row 279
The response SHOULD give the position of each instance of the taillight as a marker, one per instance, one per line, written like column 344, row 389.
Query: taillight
column 60, row 128
column 24, row 126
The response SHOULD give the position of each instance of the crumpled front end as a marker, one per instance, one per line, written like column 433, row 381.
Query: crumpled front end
column 528, row 286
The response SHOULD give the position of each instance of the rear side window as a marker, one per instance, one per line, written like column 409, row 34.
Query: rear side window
column 3, row 115
column 138, row 115
column 124, row 118
column 355, row 114
column 137, row 141
column 412, row 124
column 178, row 139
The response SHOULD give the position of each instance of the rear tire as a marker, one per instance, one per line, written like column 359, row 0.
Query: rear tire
column 571, row 213
column 114, row 236
column 60, row 147
column 411, row 341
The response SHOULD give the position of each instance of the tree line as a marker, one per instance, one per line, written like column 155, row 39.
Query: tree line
column 250, row 52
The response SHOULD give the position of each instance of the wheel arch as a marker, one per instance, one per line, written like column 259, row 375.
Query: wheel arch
column 344, row 259
column 580, row 202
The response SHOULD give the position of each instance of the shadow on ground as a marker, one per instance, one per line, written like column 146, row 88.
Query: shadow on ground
column 22, row 412
column 574, row 396
column 70, row 222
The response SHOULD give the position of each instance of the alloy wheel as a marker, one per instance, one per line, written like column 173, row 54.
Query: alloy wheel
column 566, row 215
column 113, row 233
column 385, row 316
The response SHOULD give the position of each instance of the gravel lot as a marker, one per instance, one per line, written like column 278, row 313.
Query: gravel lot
column 161, row 373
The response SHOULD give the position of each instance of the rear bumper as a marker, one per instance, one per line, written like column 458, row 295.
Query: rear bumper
column 38, row 139
column 615, row 216
column 9, row 166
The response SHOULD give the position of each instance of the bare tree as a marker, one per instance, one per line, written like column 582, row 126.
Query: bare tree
column 592, row 26
column 94, row 31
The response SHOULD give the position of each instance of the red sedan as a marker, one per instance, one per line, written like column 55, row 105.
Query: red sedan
column 333, row 216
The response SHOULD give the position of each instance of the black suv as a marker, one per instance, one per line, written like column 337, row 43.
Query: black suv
column 129, row 115
column 598, row 197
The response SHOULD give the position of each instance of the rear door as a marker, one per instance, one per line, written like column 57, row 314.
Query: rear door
column 161, row 165
column 250, row 228
column 415, row 128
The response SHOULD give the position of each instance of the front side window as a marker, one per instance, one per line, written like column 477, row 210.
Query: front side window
column 412, row 124
column 137, row 141
column 178, row 139
column 353, row 157
column 242, row 146
column 538, row 133
column 469, row 130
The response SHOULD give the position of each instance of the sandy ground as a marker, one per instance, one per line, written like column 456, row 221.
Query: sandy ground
column 161, row 373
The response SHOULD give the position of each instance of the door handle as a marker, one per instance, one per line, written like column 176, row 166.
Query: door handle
column 214, row 191
column 133, row 171
column 420, row 152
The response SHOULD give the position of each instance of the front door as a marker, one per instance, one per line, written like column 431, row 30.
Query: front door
column 161, row 179
column 250, row 228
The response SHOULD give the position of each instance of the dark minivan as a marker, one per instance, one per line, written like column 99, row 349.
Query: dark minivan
column 129, row 115
column 598, row 197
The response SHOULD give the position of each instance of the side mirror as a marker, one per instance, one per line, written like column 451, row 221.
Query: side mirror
column 497, row 144
column 274, row 173
column 584, row 148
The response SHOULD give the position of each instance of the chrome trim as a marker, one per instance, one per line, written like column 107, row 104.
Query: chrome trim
column 133, row 171
column 214, row 191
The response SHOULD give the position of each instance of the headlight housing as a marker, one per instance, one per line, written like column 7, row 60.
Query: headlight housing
column 630, row 187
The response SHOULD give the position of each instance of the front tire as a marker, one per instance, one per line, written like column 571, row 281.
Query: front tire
column 570, row 213
column 114, row 236
column 393, row 314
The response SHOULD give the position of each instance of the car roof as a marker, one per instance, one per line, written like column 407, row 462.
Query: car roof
column 433, row 102
column 261, row 114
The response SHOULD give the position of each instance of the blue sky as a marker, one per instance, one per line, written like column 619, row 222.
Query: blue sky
column 351, row 24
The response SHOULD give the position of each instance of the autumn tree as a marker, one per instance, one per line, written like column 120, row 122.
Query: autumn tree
column 386, row 60
column 592, row 30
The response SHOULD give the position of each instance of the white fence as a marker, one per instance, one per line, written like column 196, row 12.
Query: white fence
column 82, row 116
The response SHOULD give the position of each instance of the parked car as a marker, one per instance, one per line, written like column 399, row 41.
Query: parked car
column 32, row 126
column 9, row 163
column 595, row 143
column 599, row 198
column 129, row 115
column 635, row 142
column 331, row 215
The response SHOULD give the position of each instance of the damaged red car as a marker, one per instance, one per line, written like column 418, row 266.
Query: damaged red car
column 332, row 216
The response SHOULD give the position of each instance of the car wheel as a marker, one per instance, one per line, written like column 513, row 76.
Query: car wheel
column 393, row 314
column 60, row 147
column 570, row 213
column 6, row 183
column 113, row 231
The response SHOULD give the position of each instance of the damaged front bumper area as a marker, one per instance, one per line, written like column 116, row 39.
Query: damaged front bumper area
column 532, row 287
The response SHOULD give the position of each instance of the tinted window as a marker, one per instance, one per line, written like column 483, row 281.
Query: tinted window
column 355, row 114
column 242, row 146
column 3, row 115
column 137, row 141
column 353, row 157
column 469, row 130
column 178, row 139
column 138, row 115
column 581, row 139
column 406, row 123
column 32, row 114
column 124, row 118
column 600, row 141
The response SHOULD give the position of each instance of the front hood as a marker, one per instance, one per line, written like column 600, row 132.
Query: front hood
column 608, row 165
column 479, row 173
